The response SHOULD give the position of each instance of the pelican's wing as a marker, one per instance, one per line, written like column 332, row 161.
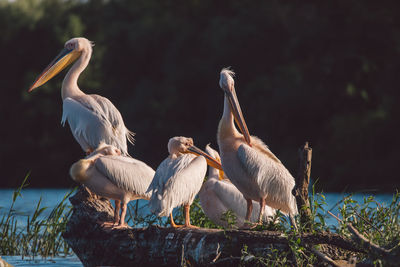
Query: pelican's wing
column 183, row 186
column 90, row 125
column 265, row 169
column 231, row 197
column 167, row 169
column 164, row 171
column 130, row 174
column 115, row 118
column 258, row 161
column 171, row 178
column 161, row 174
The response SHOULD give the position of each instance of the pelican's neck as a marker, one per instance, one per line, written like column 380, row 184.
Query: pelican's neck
column 70, row 83
column 226, row 127
column 212, row 173
column 175, row 155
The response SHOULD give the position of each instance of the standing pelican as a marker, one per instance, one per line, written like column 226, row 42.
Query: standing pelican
column 248, row 162
column 110, row 175
column 218, row 195
column 178, row 178
column 92, row 118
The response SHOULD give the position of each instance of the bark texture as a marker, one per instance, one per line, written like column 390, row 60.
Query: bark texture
column 157, row 246
column 301, row 188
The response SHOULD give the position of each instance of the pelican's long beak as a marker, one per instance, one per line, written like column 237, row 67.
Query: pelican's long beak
column 66, row 57
column 237, row 113
column 210, row 160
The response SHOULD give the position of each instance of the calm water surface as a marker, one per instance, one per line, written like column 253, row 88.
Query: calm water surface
column 26, row 204
column 70, row 261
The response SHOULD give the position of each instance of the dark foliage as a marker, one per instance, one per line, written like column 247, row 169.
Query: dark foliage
column 323, row 72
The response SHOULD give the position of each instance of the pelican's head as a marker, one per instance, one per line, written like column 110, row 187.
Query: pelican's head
column 78, row 170
column 179, row 145
column 227, row 85
column 79, row 44
column 72, row 50
column 213, row 153
column 182, row 145
column 226, row 80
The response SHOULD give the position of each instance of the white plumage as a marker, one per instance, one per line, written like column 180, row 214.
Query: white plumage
column 177, row 179
column 112, row 176
column 271, row 177
column 248, row 162
column 178, row 182
column 218, row 196
column 93, row 119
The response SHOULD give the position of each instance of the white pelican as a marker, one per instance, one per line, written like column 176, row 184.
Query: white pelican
column 92, row 118
column 179, row 178
column 110, row 175
column 218, row 195
column 248, row 162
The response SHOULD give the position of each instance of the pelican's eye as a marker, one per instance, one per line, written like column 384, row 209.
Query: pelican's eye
column 70, row 46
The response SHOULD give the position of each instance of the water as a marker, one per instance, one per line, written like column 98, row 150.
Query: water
column 69, row 261
column 26, row 204
column 332, row 200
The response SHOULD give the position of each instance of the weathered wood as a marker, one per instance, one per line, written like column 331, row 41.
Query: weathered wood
column 157, row 246
column 301, row 188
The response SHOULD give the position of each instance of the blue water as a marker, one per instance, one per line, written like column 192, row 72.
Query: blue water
column 26, row 204
column 69, row 261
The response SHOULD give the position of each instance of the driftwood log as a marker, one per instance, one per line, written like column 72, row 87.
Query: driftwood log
column 158, row 246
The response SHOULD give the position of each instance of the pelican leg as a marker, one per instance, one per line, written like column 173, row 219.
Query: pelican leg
column 123, row 213
column 249, row 209
column 116, row 215
column 122, row 224
column 173, row 223
column 246, row 224
column 116, row 211
column 187, row 217
column 262, row 208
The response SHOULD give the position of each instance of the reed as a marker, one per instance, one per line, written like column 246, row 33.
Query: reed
column 41, row 236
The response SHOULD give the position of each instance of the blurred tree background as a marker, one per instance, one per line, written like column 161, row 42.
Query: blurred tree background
column 320, row 71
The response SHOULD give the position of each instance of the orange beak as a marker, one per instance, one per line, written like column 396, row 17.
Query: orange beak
column 237, row 113
column 210, row 160
column 66, row 57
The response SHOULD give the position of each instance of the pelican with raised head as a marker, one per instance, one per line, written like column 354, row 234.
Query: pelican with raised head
column 218, row 195
column 247, row 161
column 108, row 174
column 93, row 119
column 179, row 178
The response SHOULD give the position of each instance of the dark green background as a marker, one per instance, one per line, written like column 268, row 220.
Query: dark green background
column 321, row 71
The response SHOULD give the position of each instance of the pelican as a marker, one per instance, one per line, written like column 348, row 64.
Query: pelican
column 110, row 175
column 179, row 178
column 218, row 195
column 92, row 118
column 248, row 162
